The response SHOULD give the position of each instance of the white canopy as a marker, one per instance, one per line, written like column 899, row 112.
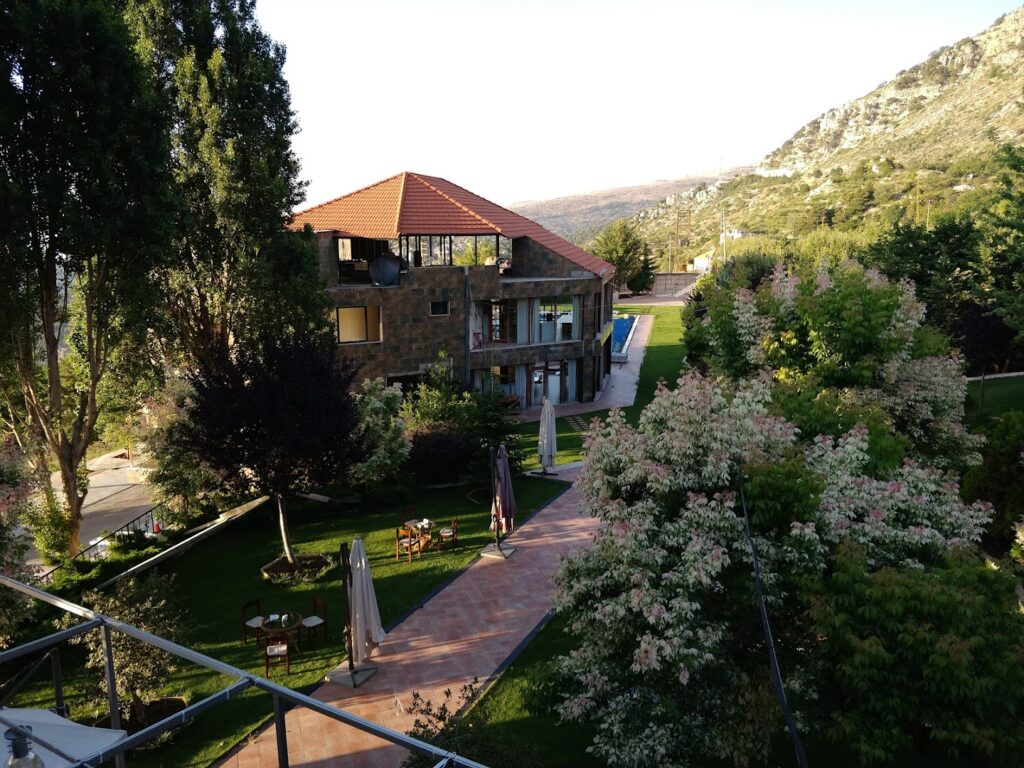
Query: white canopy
column 75, row 740
column 367, row 632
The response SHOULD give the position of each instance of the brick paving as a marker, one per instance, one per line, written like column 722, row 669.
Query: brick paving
column 467, row 630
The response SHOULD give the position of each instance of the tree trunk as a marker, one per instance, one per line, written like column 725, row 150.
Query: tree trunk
column 75, row 501
column 286, row 538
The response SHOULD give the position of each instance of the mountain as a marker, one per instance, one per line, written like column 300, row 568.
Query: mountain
column 580, row 217
column 918, row 145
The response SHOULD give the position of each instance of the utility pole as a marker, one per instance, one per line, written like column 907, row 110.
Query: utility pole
column 675, row 243
column 725, row 237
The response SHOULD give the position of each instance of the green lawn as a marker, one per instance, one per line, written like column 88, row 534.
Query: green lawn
column 506, row 717
column 663, row 360
column 220, row 574
column 1001, row 395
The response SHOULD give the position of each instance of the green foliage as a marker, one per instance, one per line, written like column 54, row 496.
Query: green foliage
column 153, row 605
column 779, row 493
column 235, row 275
column 923, row 661
column 83, row 206
column 847, row 327
column 824, row 411
column 381, row 434
column 1003, row 247
column 15, row 488
column 277, row 419
column 1000, row 476
column 187, row 487
column 621, row 245
column 452, row 430
column 51, row 528
column 642, row 281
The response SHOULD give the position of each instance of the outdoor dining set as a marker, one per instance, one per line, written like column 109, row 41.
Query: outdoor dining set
column 276, row 633
column 418, row 535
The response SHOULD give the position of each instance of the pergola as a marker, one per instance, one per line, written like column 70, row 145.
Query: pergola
column 282, row 696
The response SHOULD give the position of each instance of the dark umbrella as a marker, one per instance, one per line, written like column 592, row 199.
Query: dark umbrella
column 503, row 498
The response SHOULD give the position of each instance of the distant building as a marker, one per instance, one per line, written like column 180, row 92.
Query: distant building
column 415, row 265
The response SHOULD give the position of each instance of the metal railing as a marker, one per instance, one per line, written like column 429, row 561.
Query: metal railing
column 282, row 696
column 98, row 549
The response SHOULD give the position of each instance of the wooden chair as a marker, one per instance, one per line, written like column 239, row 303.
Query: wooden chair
column 407, row 515
column 318, row 619
column 407, row 540
column 277, row 651
column 449, row 535
column 251, row 623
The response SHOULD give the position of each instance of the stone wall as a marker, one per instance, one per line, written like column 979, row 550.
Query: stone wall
column 411, row 337
column 531, row 259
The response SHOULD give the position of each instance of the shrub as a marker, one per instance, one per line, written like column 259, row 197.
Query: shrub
column 51, row 528
column 1000, row 476
column 15, row 490
column 381, row 435
column 440, row 454
column 188, row 489
column 920, row 661
column 153, row 605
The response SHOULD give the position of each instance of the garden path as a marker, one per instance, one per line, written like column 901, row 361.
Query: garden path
column 471, row 628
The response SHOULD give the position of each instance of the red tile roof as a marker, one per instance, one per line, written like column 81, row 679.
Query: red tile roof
column 414, row 204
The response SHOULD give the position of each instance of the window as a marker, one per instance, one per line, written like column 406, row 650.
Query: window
column 358, row 324
column 438, row 308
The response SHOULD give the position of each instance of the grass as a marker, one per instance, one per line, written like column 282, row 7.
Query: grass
column 1001, row 395
column 662, row 360
column 220, row 574
column 505, row 713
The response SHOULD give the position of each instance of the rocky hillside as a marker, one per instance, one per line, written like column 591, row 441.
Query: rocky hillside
column 915, row 146
column 580, row 217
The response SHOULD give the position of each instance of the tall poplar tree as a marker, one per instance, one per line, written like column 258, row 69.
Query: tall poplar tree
column 236, row 273
column 82, row 199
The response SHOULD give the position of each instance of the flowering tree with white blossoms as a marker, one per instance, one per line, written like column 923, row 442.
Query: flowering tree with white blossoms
column 852, row 330
column 671, row 666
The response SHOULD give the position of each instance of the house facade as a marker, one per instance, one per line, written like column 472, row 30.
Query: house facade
column 416, row 266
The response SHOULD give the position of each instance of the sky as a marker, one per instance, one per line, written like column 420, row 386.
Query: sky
column 535, row 99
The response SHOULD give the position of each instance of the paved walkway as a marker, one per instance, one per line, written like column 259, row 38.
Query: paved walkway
column 115, row 497
column 468, row 629
column 619, row 389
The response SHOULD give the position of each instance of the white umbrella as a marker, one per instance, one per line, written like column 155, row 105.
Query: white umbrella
column 547, row 448
column 367, row 632
column 72, row 739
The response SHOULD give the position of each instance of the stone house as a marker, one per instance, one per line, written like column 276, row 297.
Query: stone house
column 416, row 265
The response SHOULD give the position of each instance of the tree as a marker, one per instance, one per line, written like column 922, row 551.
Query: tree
column 642, row 281
column 1003, row 241
column 621, row 246
column 152, row 605
column 15, row 494
column 920, row 661
column 276, row 420
column 82, row 189
column 670, row 664
column 235, row 274
column 381, row 434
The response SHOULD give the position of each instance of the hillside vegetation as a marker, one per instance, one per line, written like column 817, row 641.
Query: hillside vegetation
column 915, row 148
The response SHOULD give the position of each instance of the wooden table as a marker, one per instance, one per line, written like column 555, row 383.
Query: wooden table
column 423, row 527
column 279, row 627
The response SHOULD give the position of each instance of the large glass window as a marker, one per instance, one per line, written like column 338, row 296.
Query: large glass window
column 556, row 320
column 358, row 324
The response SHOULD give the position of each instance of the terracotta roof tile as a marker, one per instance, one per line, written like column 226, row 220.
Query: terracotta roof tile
column 415, row 204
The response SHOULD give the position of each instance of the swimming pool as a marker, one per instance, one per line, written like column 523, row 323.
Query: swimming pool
column 620, row 331
column 622, row 334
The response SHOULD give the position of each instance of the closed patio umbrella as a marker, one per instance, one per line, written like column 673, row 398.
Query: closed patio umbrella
column 363, row 630
column 503, row 506
column 547, row 442
column 367, row 632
